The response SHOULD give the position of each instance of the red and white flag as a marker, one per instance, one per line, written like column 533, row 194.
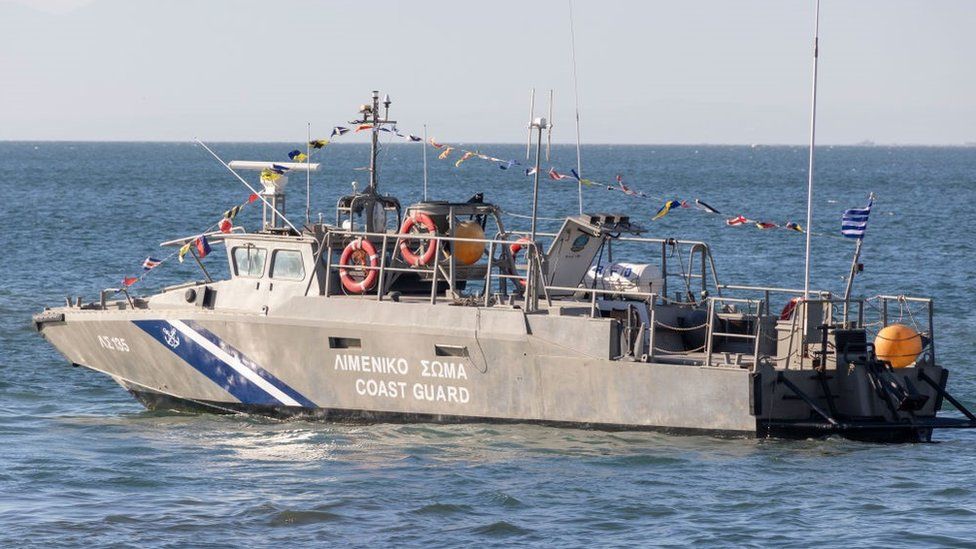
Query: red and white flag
column 553, row 174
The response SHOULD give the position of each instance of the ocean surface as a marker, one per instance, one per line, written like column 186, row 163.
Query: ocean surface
column 83, row 464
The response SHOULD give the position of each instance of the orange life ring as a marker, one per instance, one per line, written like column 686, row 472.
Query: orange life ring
column 357, row 253
column 515, row 248
column 788, row 309
column 427, row 246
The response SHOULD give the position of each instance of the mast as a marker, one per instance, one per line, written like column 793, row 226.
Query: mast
column 374, row 134
column 537, row 124
column 371, row 115
column 813, row 135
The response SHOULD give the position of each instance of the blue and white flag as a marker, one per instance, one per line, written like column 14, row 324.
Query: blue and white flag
column 855, row 221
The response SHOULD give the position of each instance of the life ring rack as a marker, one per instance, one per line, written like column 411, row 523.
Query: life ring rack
column 365, row 247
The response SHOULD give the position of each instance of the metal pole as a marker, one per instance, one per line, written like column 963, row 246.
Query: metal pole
column 308, row 173
column 579, row 161
column 549, row 134
column 425, row 162
column 535, row 186
column 200, row 263
column 850, row 278
column 813, row 134
column 528, row 140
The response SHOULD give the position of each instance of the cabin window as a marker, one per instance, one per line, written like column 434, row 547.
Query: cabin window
column 249, row 261
column 287, row 265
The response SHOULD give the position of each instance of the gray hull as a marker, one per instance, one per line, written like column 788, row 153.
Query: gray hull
column 437, row 362
column 360, row 359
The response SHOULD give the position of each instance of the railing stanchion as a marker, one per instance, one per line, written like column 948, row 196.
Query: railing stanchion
column 433, row 284
column 380, row 288
column 491, row 257
column 759, row 322
column 650, row 335
column 931, row 307
column 328, row 265
column 709, row 330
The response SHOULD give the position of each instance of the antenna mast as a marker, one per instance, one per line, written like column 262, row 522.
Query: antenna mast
column 813, row 135
column 528, row 140
column 537, row 124
column 579, row 161
column 425, row 162
column 371, row 116
column 549, row 134
column 308, row 173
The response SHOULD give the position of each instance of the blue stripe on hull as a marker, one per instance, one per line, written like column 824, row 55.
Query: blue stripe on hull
column 215, row 368
column 227, row 348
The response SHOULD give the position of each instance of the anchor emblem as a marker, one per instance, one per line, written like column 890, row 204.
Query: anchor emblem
column 172, row 338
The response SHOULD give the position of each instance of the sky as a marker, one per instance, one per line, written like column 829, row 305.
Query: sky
column 696, row 71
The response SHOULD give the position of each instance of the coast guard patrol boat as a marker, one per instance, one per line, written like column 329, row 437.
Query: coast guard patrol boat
column 436, row 312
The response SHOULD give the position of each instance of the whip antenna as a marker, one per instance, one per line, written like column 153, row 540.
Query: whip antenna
column 549, row 128
column 248, row 185
column 308, row 173
column 528, row 140
column 425, row 162
column 813, row 134
column 579, row 161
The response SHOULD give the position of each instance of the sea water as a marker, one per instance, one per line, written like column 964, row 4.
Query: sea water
column 82, row 463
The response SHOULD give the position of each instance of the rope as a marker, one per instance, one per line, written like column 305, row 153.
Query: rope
column 688, row 352
column 906, row 338
column 675, row 301
column 910, row 315
column 788, row 356
column 777, row 339
column 680, row 329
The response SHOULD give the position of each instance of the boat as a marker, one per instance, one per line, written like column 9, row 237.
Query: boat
column 438, row 312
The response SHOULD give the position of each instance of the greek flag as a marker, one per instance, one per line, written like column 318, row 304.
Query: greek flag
column 855, row 221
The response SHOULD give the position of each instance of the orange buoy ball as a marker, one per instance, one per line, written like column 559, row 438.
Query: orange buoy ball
column 898, row 344
column 469, row 253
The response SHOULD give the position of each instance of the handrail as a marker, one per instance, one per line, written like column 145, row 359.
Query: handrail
column 435, row 269
column 761, row 288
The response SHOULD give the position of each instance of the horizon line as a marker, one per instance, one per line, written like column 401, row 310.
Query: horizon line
column 864, row 144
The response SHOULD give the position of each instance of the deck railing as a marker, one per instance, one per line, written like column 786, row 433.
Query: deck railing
column 438, row 269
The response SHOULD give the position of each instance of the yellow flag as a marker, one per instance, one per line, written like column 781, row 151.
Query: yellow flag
column 184, row 250
column 665, row 209
column 467, row 155
column 445, row 154
column 269, row 176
